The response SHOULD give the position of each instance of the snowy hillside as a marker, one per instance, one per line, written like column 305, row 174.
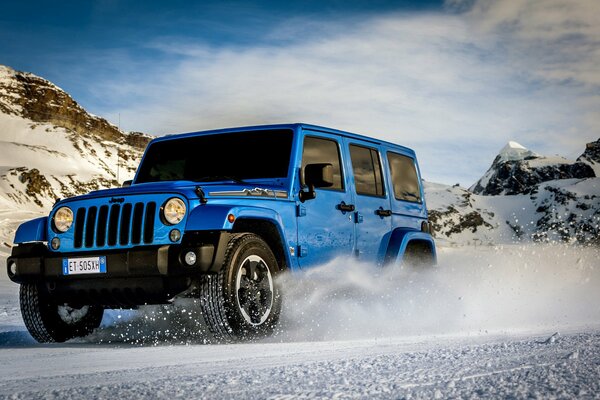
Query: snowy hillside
column 523, row 197
column 51, row 148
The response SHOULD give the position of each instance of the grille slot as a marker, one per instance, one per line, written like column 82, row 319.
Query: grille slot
column 90, row 226
column 101, row 230
column 125, row 225
column 136, row 224
column 79, row 225
column 114, row 225
column 149, row 222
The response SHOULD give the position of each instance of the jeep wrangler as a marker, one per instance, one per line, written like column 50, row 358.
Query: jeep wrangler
column 218, row 215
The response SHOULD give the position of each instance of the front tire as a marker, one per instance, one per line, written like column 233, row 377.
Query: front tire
column 49, row 322
column 243, row 300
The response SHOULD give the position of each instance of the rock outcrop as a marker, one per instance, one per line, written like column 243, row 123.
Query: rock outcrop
column 517, row 170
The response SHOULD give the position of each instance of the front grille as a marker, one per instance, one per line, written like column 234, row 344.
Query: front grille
column 117, row 225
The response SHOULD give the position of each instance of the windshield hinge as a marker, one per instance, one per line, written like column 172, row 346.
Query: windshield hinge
column 201, row 195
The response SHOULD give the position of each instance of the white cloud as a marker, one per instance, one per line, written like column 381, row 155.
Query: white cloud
column 452, row 86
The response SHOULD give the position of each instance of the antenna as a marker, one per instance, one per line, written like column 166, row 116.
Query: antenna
column 118, row 152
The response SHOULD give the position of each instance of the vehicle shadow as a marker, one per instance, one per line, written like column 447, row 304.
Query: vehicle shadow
column 167, row 325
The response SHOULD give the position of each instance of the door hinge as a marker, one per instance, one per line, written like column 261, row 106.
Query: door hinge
column 300, row 211
column 302, row 251
column 358, row 218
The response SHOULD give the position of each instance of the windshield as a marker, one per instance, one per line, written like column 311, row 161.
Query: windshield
column 227, row 156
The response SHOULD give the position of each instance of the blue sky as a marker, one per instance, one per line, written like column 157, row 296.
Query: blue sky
column 455, row 80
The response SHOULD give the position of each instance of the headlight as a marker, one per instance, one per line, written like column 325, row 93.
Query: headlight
column 63, row 219
column 173, row 211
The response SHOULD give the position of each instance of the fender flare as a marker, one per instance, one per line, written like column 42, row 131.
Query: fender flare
column 214, row 218
column 400, row 240
column 32, row 231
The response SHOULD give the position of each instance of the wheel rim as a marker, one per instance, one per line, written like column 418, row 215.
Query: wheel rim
column 72, row 316
column 254, row 289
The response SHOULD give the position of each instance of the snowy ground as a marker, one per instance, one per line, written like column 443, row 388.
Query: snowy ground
column 482, row 324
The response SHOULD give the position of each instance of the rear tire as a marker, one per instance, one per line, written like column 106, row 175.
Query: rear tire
column 418, row 254
column 49, row 322
column 243, row 300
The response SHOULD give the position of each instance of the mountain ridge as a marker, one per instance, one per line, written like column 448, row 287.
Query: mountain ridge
column 523, row 196
column 52, row 148
column 518, row 170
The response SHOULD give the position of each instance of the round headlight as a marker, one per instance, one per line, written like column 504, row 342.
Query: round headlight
column 174, row 211
column 63, row 219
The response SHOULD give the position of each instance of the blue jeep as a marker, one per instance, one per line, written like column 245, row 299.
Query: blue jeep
column 217, row 215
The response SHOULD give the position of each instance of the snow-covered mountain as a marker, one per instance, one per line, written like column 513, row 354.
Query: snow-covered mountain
column 524, row 196
column 50, row 148
column 517, row 170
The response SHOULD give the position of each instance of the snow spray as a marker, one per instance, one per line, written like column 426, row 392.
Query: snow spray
column 472, row 291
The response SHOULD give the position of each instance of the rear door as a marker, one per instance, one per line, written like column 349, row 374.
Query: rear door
column 372, row 205
column 325, row 230
column 408, row 206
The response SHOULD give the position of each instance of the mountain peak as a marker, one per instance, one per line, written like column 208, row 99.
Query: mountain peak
column 514, row 151
column 518, row 170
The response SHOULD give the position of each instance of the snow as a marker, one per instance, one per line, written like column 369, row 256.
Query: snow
column 514, row 151
column 59, row 156
column 510, row 321
column 504, row 214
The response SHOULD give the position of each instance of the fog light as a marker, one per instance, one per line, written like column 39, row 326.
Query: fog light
column 175, row 235
column 190, row 258
column 55, row 243
column 12, row 268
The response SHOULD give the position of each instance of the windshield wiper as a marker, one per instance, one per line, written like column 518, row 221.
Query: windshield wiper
column 213, row 178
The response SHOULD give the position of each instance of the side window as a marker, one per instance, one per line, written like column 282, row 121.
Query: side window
column 404, row 178
column 367, row 170
column 320, row 150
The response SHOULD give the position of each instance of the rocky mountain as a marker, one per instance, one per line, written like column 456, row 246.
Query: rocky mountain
column 50, row 147
column 591, row 156
column 517, row 170
column 524, row 196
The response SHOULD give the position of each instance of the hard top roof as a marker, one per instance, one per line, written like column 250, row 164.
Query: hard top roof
column 292, row 126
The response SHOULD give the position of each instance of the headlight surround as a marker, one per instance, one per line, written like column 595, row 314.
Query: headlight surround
column 63, row 219
column 173, row 211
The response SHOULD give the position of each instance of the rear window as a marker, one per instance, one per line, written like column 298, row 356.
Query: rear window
column 367, row 171
column 404, row 178
column 205, row 158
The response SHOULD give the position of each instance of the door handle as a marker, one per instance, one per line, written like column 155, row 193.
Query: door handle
column 343, row 207
column 383, row 213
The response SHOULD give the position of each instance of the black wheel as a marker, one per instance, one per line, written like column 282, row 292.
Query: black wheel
column 243, row 301
column 49, row 322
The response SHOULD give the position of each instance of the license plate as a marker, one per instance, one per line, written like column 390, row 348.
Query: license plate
column 84, row 265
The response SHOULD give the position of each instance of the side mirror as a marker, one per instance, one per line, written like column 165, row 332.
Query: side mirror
column 316, row 176
column 126, row 183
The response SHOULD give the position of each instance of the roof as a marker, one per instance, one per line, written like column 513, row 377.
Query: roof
column 293, row 126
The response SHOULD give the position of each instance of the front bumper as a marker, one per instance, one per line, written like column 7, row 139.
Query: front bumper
column 143, row 275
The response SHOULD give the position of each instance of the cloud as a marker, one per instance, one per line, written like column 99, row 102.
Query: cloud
column 562, row 37
column 453, row 86
column 557, row 45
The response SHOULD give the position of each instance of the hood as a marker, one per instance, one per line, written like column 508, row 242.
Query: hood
column 188, row 189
